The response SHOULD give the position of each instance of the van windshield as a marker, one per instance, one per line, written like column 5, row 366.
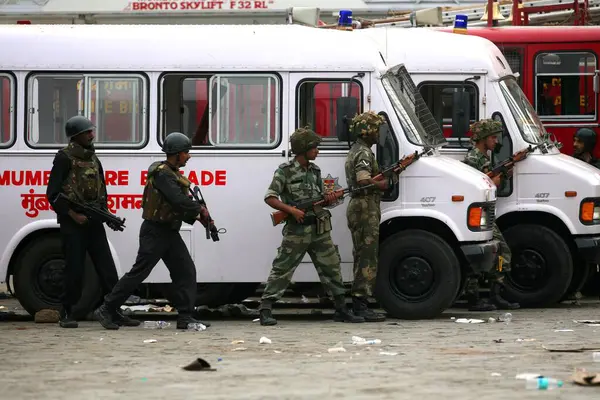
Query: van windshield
column 415, row 117
column 527, row 120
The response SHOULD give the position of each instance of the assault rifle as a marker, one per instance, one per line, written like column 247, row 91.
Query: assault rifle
column 278, row 217
column 96, row 213
column 211, row 229
column 401, row 164
column 507, row 165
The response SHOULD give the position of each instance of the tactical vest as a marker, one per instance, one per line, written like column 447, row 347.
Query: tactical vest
column 84, row 183
column 155, row 206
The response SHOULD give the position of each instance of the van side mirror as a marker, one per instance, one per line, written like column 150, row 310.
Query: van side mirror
column 345, row 108
column 461, row 113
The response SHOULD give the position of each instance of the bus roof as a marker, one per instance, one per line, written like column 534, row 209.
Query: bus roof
column 183, row 47
column 536, row 34
column 431, row 50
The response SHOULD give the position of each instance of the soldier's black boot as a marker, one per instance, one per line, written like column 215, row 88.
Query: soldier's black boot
column 343, row 314
column 183, row 320
column 123, row 320
column 266, row 317
column 66, row 320
column 105, row 317
column 476, row 303
column 361, row 309
column 500, row 302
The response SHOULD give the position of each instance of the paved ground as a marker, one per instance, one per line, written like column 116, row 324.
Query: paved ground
column 439, row 357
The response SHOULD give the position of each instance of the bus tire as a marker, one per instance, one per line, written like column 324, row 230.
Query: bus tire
column 541, row 266
column 38, row 275
column 419, row 275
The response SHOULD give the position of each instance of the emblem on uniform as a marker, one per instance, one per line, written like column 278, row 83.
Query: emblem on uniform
column 330, row 183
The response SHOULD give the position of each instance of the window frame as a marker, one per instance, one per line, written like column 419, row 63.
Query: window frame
column 454, row 142
column 335, row 144
column 563, row 118
column 209, row 76
column 12, row 107
column 144, row 105
column 392, row 193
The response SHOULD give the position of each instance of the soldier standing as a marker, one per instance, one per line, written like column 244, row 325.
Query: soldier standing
column 484, row 136
column 309, row 231
column 78, row 174
column 584, row 142
column 166, row 203
column 364, row 211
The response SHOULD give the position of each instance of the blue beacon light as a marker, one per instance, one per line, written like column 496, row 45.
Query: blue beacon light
column 345, row 20
column 460, row 24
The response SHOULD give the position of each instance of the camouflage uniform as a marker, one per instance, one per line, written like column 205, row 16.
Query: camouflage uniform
column 293, row 183
column 481, row 162
column 364, row 211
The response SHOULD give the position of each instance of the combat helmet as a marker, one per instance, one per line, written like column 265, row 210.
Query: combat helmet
column 304, row 139
column 78, row 124
column 588, row 137
column 366, row 124
column 176, row 142
column 485, row 128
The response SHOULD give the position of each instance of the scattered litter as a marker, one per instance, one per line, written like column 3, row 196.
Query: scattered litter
column 150, row 341
column 2, row 307
column 506, row 317
column 498, row 340
column 76, row 362
column 156, row 324
column 496, row 374
column 491, row 320
column 304, row 299
column 528, row 375
column 264, row 340
column 148, row 308
column 338, row 348
column 543, row 383
column 596, row 356
column 239, row 349
column 357, row 340
column 525, row 340
column 219, row 359
column 588, row 322
column 46, row 316
column 569, row 348
column 469, row 321
column 256, row 320
column 387, row 353
column 584, row 378
column 237, row 342
column 196, row 326
column 563, row 330
column 199, row 364
column 276, row 351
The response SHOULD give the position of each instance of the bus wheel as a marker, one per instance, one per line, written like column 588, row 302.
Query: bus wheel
column 38, row 278
column 541, row 267
column 419, row 275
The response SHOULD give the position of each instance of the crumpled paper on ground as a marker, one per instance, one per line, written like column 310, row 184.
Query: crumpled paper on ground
column 585, row 378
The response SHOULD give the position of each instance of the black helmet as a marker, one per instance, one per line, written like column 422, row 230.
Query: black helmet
column 176, row 142
column 78, row 124
column 588, row 137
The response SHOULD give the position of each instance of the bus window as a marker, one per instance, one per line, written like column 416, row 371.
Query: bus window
column 438, row 97
column 564, row 85
column 240, row 110
column 6, row 110
column 317, row 106
column 114, row 103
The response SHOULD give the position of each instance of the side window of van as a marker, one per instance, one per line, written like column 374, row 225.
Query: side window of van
column 7, row 98
column 222, row 110
column 317, row 106
column 438, row 97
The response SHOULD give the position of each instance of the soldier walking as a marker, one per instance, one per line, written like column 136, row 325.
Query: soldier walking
column 166, row 203
column 364, row 211
column 77, row 173
column 309, row 231
column 484, row 135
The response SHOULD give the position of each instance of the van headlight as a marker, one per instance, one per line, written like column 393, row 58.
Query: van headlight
column 589, row 211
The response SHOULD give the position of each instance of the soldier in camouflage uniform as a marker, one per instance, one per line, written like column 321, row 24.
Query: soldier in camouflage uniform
column 166, row 204
column 78, row 174
column 304, row 231
column 364, row 211
column 484, row 136
column 584, row 142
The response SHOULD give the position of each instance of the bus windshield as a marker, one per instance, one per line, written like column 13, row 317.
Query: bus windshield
column 527, row 120
column 415, row 117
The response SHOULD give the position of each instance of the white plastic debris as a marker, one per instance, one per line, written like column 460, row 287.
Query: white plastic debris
column 387, row 353
column 527, row 375
column 338, row 348
column 150, row 341
column 563, row 330
column 358, row 341
column 264, row 340
column 495, row 374
column 256, row 320
column 469, row 321
column 237, row 342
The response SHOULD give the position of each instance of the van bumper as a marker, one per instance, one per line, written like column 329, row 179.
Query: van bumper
column 481, row 256
column 588, row 248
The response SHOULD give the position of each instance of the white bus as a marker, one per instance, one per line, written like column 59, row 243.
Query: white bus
column 238, row 92
column 549, row 211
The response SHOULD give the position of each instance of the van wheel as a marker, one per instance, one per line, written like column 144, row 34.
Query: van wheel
column 419, row 275
column 541, row 267
column 38, row 278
